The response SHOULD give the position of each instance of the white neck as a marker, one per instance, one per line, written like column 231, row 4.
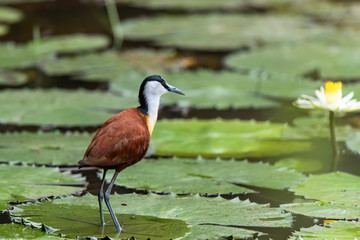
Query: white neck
column 153, row 103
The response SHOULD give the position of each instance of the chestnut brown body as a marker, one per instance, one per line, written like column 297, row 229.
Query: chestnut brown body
column 122, row 141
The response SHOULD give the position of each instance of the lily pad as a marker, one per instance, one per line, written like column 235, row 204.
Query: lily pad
column 20, row 183
column 338, row 230
column 303, row 59
column 3, row 29
column 205, row 176
column 12, row 79
column 324, row 210
column 112, row 66
column 28, row 55
column 203, row 89
column 10, row 15
column 69, row 43
column 220, row 138
column 17, row 231
column 60, row 107
column 337, row 187
column 222, row 90
column 43, row 148
column 221, row 32
column 194, row 210
column 189, row 5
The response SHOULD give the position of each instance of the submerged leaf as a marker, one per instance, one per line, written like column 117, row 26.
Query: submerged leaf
column 82, row 212
column 20, row 183
column 205, row 176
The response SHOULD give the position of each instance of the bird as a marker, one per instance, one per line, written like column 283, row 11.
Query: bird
column 124, row 139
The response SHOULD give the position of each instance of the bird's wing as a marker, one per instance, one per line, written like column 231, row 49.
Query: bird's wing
column 122, row 140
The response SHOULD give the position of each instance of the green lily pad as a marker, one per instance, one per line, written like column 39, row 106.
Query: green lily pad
column 43, row 148
column 303, row 59
column 112, row 66
column 3, row 29
column 20, row 183
column 60, row 107
column 28, row 55
column 338, row 230
column 280, row 87
column 324, row 210
column 221, row 32
column 203, row 89
column 200, row 5
column 10, row 15
column 220, row 138
column 69, row 43
column 205, row 176
column 194, row 210
column 222, row 90
column 17, row 231
column 16, row 56
column 12, row 79
column 337, row 187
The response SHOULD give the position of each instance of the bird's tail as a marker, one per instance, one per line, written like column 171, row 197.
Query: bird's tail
column 82, row 163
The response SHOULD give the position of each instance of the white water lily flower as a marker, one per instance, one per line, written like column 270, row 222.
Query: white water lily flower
column 330, row 99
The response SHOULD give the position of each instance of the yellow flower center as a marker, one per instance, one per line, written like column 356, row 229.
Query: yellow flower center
column 333, row 91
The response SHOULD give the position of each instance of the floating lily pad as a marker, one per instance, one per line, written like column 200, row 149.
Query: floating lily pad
column 110, row 66
column 69, row 43
column 43, row 148
column 324, row 210
column 203, row 5
column 65, row 213
column 60, row 107
column 3, row 29
column 221, row 32
column 338, row 230
column 303, row 59
column 220, row 138
column 12, row 79
column 338, row 187
column 10, row 15
column 17, row 231
column 176, row 137
column 20, row 183
column 205, row 176
column 28, row 55
column 204, row 89
column 280, row 87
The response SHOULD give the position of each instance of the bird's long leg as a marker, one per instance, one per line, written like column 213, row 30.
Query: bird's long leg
column 107, row 201
column 101, row 197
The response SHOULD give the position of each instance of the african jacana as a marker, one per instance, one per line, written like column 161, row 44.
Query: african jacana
column 124, row 139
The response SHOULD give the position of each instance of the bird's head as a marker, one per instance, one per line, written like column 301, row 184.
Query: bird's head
column 156, row 85
column 152, row 88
